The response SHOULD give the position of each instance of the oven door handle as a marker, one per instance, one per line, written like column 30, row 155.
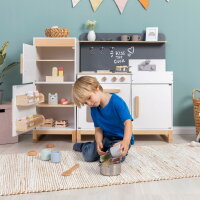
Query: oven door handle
column 137, row 104
column 111, row 90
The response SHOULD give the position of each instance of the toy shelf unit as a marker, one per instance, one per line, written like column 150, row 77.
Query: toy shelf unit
column 38, row 62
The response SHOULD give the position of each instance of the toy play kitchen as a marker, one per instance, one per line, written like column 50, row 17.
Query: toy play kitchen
column 147, row 90
column 135, row 70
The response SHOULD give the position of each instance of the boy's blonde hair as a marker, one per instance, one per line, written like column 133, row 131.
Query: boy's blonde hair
column 82, row 89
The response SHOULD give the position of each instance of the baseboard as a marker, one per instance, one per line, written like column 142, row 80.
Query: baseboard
column 184, row 130
column 176, row 130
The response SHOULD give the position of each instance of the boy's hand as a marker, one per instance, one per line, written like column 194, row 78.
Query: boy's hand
column 99, row 149
column 124, row 146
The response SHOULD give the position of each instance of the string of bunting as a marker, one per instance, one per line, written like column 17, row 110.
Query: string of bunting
column 121, row 4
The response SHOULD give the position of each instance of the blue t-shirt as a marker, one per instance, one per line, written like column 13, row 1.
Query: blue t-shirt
column 111, row 118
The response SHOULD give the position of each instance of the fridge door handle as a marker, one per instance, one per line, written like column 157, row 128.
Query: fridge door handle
column 137, row 104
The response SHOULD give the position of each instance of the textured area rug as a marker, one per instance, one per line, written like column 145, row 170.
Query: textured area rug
column 20, row 174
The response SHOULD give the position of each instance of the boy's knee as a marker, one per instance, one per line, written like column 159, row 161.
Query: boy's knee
column 89, row 152
column 90, row 158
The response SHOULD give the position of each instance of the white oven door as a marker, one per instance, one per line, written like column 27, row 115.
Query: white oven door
column 84, row 120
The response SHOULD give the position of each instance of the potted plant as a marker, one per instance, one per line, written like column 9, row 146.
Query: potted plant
column 91, row 34
column 4, row 69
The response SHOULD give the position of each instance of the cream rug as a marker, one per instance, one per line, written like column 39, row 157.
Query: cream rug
column 20, row 174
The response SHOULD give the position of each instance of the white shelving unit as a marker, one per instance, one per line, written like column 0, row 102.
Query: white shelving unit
column 38, row 60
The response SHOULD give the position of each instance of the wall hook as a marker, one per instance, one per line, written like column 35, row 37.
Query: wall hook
column 91, row 50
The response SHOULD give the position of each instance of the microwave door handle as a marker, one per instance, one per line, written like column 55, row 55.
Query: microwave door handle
column 137, row 104
column 111, row 90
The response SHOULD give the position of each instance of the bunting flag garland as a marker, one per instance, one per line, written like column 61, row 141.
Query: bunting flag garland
column 121, row 4
column 145, row 3
column 95, row 4
column 75, row 2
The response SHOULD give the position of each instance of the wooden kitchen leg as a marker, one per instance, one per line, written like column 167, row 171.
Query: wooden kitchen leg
column 74, row 133
column 170, row 137
column 36, row 137
column 78, row 136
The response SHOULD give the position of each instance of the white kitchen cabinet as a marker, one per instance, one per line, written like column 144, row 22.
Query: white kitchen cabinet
column 38, row 60
column 152, row 103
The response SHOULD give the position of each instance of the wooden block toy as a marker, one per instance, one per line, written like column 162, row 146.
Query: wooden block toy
column 61, row 124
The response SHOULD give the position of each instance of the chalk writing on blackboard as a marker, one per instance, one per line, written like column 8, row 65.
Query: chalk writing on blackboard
column 119, row 55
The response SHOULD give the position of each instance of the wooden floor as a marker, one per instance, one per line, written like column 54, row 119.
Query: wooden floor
column 174, row 190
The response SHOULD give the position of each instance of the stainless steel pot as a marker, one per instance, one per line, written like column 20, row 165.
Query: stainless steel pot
column 110, row 170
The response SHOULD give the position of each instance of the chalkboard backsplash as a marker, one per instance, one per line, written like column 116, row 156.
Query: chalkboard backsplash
column 105, row 56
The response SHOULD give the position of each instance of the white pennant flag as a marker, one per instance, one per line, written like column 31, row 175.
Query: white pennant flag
column 121, row 4
column 74, row 2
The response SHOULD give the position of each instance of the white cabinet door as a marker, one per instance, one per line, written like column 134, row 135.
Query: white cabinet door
column 19, row 112
column 152, row 106
column 29, row 64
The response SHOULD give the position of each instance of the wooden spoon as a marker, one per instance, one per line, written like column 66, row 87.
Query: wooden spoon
column 70, row 170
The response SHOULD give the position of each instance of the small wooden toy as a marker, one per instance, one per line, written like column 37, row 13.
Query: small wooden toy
column 61, row 124
column 53, row 98
column 70, row 170
column 60, row 71
column 32, row 153
column 48, row 123
column 54, row 71
column 50, row 145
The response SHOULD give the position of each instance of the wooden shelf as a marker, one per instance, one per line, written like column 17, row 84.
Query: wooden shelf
column 61, row 83
column 70, row 127
column 55, row 60
column 143, row 42
column 55, row 105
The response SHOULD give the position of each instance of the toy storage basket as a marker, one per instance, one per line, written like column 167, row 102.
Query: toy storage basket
column 196, row 105
column 57, row 32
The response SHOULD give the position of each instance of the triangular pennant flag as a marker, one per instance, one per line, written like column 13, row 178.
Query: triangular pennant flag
column 145, row 3
column 74, row 2
column 121, row 5
column 95, row 4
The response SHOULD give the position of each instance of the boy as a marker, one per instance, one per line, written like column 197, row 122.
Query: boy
column 112, row 119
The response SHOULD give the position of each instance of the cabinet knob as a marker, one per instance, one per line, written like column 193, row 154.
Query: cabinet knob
column 113, row 79
column 122, row 79
column 104, row 79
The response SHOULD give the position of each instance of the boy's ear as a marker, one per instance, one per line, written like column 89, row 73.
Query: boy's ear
column 98, row 88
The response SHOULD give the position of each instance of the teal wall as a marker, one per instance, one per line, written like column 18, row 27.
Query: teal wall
column 21, row 20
